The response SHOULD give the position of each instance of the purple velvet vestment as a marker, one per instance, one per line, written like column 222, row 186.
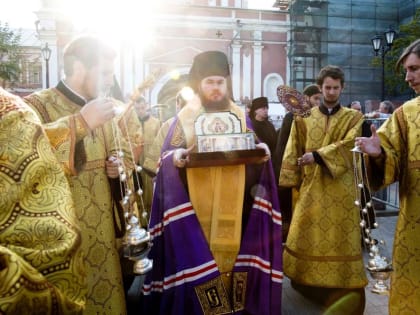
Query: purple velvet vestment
column 182, row 261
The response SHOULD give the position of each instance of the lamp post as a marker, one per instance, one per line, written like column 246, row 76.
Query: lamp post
column 46, row 53
column 383, row 48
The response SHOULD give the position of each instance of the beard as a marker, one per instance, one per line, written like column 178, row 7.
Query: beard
column 331, row 102
column 214, row 106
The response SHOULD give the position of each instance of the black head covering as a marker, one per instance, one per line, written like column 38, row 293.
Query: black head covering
column 207, row 64
column 258, row 103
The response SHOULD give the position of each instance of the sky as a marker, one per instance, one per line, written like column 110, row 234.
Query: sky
column 20, row 13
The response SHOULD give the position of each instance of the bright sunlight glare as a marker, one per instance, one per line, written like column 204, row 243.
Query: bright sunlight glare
column 21, row 13
column 187, row 93
column 127, row 21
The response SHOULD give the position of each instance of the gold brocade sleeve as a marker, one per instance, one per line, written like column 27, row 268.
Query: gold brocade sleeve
column 65, row 134
column 41, row 266
column 150, row 130
column 25, row 290
column 153, row 154
column 395, row 146
column 337, row 156
column 65, row 130
column 291, row 173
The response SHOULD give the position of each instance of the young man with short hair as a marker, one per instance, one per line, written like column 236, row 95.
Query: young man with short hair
column 313, row 95
column 393, row 156
column 323, row 256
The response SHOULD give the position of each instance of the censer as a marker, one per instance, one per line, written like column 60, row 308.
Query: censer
column 136, row 240
column 137, row 246
column 379, row 266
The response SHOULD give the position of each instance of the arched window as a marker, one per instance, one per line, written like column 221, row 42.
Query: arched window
column 271, row 82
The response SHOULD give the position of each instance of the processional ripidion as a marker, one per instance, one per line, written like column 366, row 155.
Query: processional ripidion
column 136, row 239
column 293, row 101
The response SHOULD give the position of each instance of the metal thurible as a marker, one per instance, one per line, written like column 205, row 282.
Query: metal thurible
column 379, row 266
column 137, row 245
column 380, row 270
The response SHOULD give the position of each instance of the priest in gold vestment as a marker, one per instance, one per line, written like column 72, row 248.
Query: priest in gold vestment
column 41, row 263
column 149, row 128
column 394, row 155
column 153, row 153
column 323, row 254
column 83, row 130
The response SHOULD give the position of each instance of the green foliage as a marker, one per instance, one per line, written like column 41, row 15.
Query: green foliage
column 395, row 78
column 10, row 54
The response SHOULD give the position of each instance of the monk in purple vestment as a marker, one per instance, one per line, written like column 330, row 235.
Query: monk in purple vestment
column 217, row 238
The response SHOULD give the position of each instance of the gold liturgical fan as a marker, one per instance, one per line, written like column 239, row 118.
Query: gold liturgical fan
column 293, row 101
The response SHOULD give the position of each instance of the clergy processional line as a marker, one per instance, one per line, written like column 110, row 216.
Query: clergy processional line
column 379, row 266
column 136, row 240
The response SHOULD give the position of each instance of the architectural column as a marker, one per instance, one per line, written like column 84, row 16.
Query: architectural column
column 257, row 47
column 246, row 73
column 129, row 69
column 236, row 70
column 138, row 66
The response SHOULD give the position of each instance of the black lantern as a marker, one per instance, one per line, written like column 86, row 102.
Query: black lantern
column 383, row 48
column 46, row 54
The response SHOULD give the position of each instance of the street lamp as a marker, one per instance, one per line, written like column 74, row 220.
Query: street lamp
column 383, row 48
column 46, row 53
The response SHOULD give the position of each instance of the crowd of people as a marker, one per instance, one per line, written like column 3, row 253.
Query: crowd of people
column 223, row 234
